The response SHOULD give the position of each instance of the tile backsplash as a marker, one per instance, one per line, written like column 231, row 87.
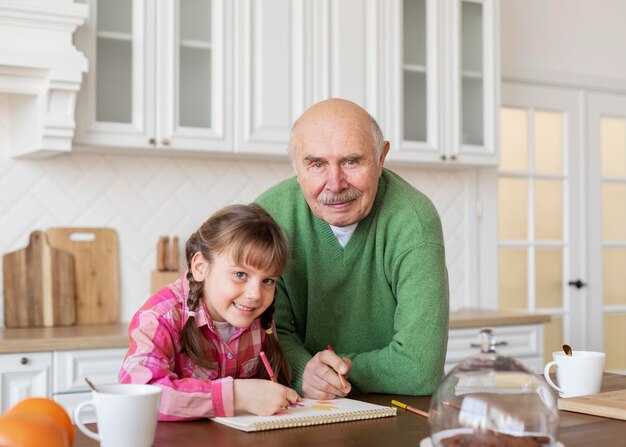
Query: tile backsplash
column 145, row 196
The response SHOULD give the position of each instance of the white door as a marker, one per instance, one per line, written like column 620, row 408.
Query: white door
column 540, row 211
column 606, row 199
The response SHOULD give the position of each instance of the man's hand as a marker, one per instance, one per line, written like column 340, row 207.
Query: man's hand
column 320, row 379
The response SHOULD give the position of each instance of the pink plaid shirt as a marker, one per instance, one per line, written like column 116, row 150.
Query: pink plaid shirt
column 155, row 357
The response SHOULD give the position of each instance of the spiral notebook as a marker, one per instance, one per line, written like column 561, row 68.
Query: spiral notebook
column 309, row 412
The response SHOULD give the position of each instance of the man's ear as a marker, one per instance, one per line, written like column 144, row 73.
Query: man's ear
column 199, row 266
column 384, row 152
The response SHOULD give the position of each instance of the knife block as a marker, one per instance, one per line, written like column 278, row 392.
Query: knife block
column 159, row 279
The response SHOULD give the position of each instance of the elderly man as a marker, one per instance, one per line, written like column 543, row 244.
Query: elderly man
column 367, row 276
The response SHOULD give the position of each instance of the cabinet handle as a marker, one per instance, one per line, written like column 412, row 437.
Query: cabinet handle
column 24, row 361
column 165, row 142
column 151, row 141
column 498, row 343
column 444, row 158
column 453, row 157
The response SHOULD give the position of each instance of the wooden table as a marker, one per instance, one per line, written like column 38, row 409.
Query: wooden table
column 404, row 430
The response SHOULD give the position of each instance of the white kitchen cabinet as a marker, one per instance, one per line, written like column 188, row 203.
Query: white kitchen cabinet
column 59, row 375
column 441, row 81
column 70, row 368
column 24, row 375
column 160, row 75
column 523, row 342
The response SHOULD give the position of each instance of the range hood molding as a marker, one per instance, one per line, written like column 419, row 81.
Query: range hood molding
column 40, row 73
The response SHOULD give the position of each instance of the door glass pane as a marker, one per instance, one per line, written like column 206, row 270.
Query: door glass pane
column 614, row 336
column 513, row 208
column 513, row 139
column 548, row 142
column 613, row 146
column 513, row 282
column 194, row 80
column 549, row 277
column 613, row 211
column 113, row 64
column 552, row 337
column 415, row 70
column 549, row 210
column 614, row 263
column 472, row 73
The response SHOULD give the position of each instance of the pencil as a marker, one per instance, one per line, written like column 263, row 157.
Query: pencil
column 344, row 384
column 267, row 366
column 409, row 408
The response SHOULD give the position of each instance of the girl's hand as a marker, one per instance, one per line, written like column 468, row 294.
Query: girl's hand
column 262, row 397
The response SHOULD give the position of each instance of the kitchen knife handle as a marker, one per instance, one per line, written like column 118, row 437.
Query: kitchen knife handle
column 174, row 257
column 162, row 253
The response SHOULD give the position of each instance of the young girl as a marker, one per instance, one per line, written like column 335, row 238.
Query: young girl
column 200, row 337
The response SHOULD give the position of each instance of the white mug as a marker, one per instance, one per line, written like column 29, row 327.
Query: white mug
column 577, row 375
column 126, row 415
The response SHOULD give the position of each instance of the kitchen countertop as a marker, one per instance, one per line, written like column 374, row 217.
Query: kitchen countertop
column 468, row 318
column 115, row 335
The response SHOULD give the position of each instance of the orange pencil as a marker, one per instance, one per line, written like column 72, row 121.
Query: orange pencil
column 270, row 372
column 344, row 384
column 409, row 408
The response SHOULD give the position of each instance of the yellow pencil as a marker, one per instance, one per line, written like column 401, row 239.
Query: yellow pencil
column 409, row 408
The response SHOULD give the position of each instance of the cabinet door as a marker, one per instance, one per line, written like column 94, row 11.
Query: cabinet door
column 413, row 79
column 22, row 376
column 346, row 41
column 272, row 66
column 116, row 103
column 441, row 81
column 159, row 75
column 194, row 75
column 472, row 91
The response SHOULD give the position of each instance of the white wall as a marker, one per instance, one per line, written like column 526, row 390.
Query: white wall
column 584, row 37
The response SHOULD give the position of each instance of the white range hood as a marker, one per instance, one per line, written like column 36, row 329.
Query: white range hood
column 40, row 73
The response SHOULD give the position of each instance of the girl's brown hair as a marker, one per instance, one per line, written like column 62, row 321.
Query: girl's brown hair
column 251, row 237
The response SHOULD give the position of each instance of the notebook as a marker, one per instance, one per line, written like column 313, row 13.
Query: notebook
column 610, row 404
column 309, row 412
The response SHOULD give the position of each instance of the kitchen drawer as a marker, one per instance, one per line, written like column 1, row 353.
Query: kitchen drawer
column 71, row 367
column 24, row 375
column 516, row 341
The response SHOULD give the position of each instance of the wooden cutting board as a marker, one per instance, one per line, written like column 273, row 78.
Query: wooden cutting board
column 39, row 286
column 97, row 271
column 610, row 404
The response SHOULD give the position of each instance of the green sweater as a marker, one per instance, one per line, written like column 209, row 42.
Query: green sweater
column 382, row 300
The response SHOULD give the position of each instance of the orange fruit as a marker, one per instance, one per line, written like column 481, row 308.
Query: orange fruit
column 47, row 407
column 25, row 429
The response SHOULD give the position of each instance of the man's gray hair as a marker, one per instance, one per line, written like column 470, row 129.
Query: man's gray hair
column 377, row 139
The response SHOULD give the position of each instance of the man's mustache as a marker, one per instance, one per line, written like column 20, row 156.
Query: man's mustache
column 347, row 195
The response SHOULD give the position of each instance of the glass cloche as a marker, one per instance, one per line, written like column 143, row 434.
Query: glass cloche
column 490, row 399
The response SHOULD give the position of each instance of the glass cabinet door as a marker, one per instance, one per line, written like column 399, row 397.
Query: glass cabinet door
column 193, row 74
column 419, row 125
column 474, row 89
column 414, row 71
column 159, row 72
